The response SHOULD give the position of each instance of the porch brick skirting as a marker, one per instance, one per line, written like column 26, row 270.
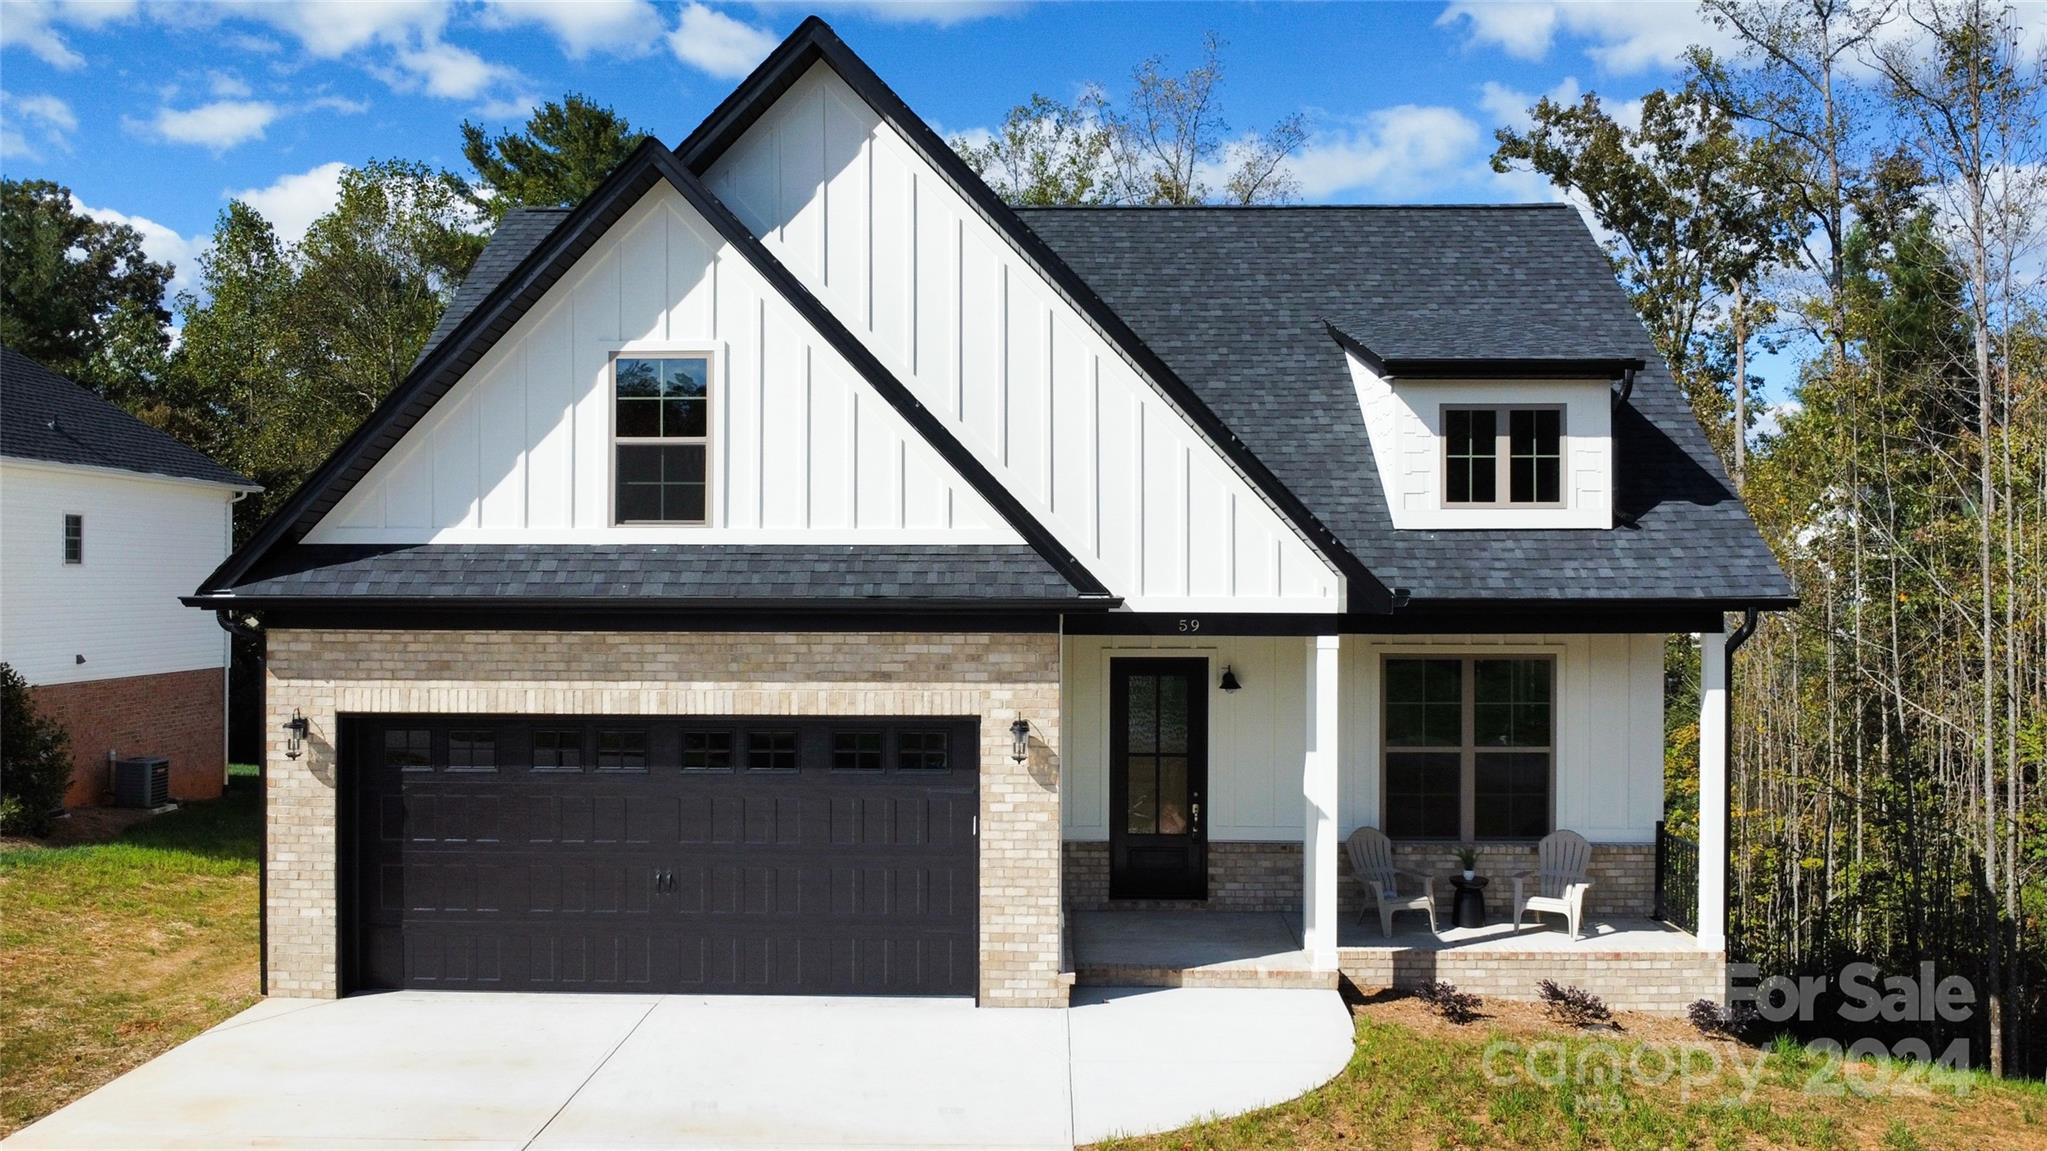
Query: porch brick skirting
column 1660, row 982
column 997, row 677
column 1246, row 876
column 179, row 715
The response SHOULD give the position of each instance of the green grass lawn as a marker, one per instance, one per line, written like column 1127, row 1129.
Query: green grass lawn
column 1417, row 1082
column 111, row 953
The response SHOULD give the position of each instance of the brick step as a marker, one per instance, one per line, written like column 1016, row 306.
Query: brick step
column 1220, row 975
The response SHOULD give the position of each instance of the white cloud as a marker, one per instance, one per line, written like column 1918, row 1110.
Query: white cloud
column 943, row 13
column 1508, row 107
column 448, row 71
column 624, row 27
column 333, row 28
column 718, row 44
column 49, row 118
column 220, row 125
column 159, row 243
column 228, row 86
column 1621, row 37
column 518, row 107
column 291, row 203
column 1408, row 150
column 35, row 25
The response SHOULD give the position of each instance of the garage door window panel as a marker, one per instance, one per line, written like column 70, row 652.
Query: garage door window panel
column 472, row 749
column 922, row 751
column 622, row 749
column 558, row 749
column 707, row 751
column 409, row 749
column 771, row 751
column 856, row 751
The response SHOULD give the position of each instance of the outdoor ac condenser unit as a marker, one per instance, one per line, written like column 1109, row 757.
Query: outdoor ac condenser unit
column 142, row 781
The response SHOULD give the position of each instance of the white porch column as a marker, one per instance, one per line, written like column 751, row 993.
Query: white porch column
column 1318, row 789
column 1713, row 791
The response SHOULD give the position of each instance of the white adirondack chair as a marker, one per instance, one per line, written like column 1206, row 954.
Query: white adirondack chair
column 1559, row 883
column 1371, row 863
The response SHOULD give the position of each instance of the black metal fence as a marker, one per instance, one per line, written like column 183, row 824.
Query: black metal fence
column 1677, row 879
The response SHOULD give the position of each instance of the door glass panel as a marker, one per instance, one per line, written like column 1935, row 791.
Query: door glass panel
column 1141, row 817
column 1173, row 714
column 1173, row 798
column 1144, row 713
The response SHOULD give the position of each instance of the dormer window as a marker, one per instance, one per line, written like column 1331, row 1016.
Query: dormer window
column 1526, row 443
column 661, row 439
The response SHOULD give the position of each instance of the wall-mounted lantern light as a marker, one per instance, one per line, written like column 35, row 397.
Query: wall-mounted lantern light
column 1229, row 682
column 1019, row 741
column 295, row 734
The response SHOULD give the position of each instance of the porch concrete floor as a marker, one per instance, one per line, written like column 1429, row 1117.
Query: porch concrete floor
column 1228, row 940
column 1411, row 933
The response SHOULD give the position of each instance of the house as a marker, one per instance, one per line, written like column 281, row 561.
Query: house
column 792, row 571
column 104, row 523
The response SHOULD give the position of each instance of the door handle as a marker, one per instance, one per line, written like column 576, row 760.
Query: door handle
column 1195, row 817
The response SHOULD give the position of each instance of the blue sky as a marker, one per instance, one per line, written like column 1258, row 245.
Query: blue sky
column 159, row 112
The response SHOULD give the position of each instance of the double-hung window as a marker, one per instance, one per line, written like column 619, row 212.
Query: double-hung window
column 1469, row 747
column 661, row 432
column 1503, row 457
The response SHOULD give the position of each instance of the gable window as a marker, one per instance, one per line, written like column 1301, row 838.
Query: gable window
column 661, row 432
column 1524, row 443
column 1469, row 748
column 74, row 539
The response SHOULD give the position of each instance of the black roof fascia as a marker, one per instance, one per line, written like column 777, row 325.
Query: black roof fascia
column 815, row 40
column 495, row 316
column 1534, row 367
column 427, row 614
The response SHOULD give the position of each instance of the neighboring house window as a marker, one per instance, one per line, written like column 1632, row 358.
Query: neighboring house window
column 1469, row 747
column 1526, row 444
column 74, row 539
column 661, row 427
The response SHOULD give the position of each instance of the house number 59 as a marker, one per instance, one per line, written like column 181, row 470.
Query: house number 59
column 1190, row 625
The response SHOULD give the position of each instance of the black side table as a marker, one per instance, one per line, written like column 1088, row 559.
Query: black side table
column 1468, row 909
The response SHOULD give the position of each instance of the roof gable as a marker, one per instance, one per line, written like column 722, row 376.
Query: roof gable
column 49, row 419
column 473, row 334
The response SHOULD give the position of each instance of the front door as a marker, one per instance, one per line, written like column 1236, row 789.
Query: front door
column 1158, row 755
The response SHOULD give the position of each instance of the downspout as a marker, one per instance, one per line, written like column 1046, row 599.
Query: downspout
column 1735, row 639
column 1627, row 389
column 248, row 628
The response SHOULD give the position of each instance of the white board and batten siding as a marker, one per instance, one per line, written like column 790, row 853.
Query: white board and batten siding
column 1404, row 422
column 1019, row 375
column 147, row 540
column 1608, row 715
column 802, row 450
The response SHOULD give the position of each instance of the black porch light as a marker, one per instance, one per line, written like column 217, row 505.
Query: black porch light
column 1229, row 682
column 1019, row 740
column 295, row 734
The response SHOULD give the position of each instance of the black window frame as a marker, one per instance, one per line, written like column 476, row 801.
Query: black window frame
column 1505, row 458
column 556, row 746
column 774, row 744
column 661, row 440
column 859, row 749
column 620, row 733
column 701, row 755
column 1467, row 751
column 914, row 750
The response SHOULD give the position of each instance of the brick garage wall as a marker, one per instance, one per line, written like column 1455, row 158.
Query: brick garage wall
column 998, row 677
column 1268, row 877
column 1242, row 876
column 180, row 715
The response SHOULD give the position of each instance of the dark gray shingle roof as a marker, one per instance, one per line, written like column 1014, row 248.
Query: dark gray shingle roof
column 992, row 574
column 44, row 416
column 1237, row 301
column 516, row 236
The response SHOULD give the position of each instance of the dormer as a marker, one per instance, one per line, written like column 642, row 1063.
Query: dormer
column 1490, row 443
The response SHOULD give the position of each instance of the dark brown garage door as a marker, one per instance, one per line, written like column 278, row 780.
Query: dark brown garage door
column 756, row 855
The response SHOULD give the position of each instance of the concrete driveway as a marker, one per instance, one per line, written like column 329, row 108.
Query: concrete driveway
column 545, row 1071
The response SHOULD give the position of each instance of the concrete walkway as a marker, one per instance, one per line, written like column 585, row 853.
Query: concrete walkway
column 549, row 1071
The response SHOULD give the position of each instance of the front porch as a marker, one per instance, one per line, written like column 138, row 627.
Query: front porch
column 1634, row 964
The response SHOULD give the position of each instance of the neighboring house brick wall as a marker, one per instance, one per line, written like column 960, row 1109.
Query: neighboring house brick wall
column 998, row 677
column 178, row 715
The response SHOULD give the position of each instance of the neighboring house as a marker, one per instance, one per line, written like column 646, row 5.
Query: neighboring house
column 793, row 571
column 104, row 523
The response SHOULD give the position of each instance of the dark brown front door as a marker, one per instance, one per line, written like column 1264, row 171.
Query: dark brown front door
column 1158, row 774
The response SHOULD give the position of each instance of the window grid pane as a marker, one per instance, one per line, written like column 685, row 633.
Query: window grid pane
column 1536, row 459
column 921, row 751
column 707, row 751
column 856, row 751
column 557, row 749
column 74, row 539
column 1471, row 452
column 1495, row 741
column 472, row 749
column 661, row 421
column 409, row 749
column 771, row 751
column 622, row 749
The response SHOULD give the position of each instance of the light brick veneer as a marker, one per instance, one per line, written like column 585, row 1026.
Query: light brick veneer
column 1664, row 982
column 1242, row 876
column 998, row 677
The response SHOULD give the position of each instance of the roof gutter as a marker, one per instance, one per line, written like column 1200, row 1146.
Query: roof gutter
column 1620, row 400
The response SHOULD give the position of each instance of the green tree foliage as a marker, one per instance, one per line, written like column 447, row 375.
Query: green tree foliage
column 78, row 294
column 563, row 153
column 288, row 348
column 1691, row 208
column 35, row 760
column 1157, row 146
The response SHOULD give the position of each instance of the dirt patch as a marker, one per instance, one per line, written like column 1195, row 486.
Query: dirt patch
column 82, row 825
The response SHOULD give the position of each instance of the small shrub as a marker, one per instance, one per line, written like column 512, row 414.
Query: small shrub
column 1574, row 1006
column 35, row 760
column 1446, row 1001
column 1730, row 1022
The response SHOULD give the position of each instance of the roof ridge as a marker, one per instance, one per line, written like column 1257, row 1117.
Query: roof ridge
column 1453, row 207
